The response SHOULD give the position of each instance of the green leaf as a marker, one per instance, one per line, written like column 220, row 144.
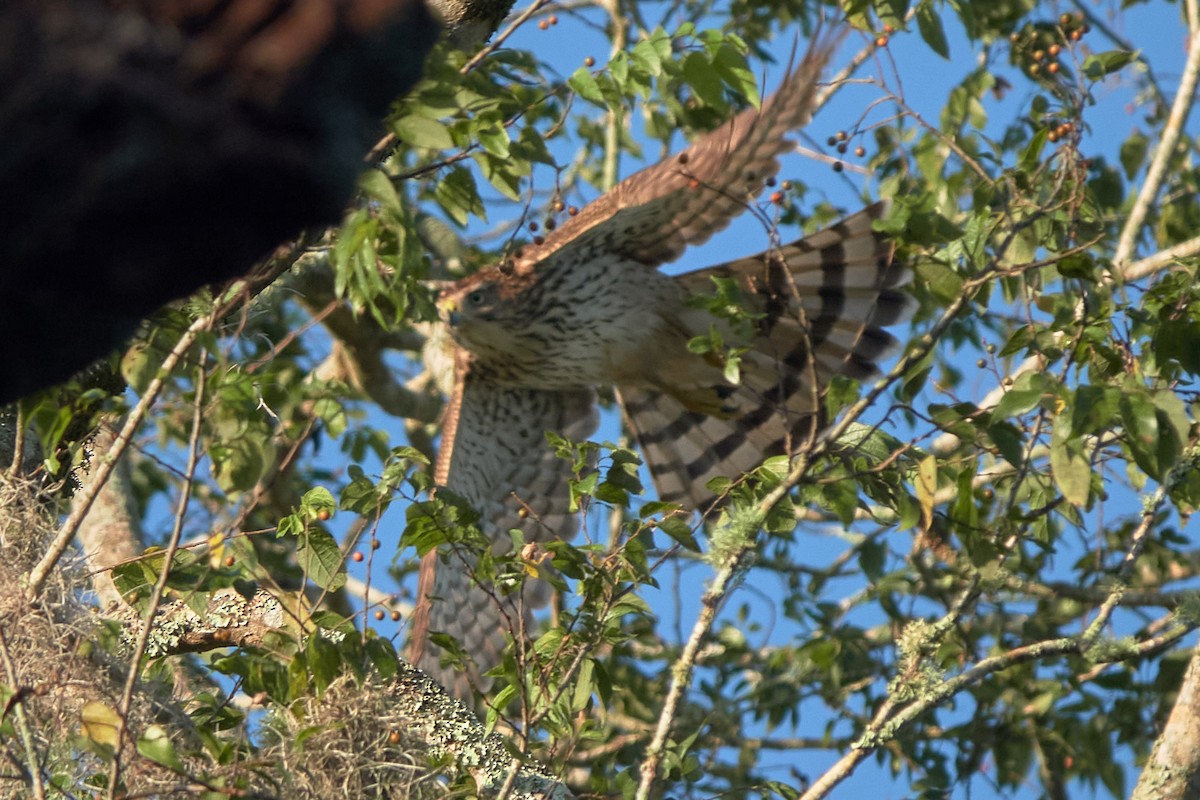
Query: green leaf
column 679, row 530
column 945, row 284
column 1069, row 463
column 871, row 559
column 1097, row 66
column 585, row 85
column 929, row 23
column 100, row 723
column 1140, row 418
column 704, row 80
column 319, row 556
column 379, row 187
column 458, row 196
column 323, row 660
column 1133, row 153
column 731, row 65
column 1024, row 395
column 1031, row 156
column 584, row 487
column 494, row 139
column 1093, row 409
column 500, row 174
column 1009, row 440
column 156, row 745
column 581, row 695
column 926, row 485
column 423, row 132
column 1174, row 427
column 1176, row 339
column 318, row 499
column 651, row 52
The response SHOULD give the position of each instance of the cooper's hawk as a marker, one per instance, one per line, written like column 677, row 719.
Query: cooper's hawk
column 586, row 308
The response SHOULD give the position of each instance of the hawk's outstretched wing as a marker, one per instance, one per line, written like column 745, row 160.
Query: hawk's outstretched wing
column 495, row 456
column 654, row 214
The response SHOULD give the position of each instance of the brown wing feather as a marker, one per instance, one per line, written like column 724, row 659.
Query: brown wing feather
column 654, row 214
column 825, row 301
column 494, row 454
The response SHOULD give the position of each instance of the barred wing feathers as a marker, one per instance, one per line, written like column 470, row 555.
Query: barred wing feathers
column 495, row 456
column 652, row 216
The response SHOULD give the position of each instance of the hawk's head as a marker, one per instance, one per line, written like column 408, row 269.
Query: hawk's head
column 484, row 312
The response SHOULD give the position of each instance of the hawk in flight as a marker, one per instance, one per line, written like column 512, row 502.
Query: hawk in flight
column 587, row 307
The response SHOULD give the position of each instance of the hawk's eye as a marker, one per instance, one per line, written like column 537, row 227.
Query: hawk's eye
column 476, row 298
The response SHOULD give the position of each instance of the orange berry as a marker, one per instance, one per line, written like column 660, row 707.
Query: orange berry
column 543, row 25
column 324, row 514
column 589, row 62
column 572, row 211
column 1054, row 50
column 553, row 19
column 379, row 615
column 395, row 616
column 881, row 41
column 1052, row 67
column 860, row 151
column 357, row 556
column 394, row 737
column 776, row 197
column 889, row 29
column 229, row 561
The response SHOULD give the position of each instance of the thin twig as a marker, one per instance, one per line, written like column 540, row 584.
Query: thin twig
column 19, row 424
column 41, row 571
column 500, row 38
column 22, row 723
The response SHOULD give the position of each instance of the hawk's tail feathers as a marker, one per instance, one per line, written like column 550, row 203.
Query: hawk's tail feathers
column 846, row 289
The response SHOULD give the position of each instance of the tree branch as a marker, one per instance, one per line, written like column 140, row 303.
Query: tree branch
column 1165, row 151
column 1173, row 770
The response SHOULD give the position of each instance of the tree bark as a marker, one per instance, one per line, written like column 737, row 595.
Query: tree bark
column 1173, row 770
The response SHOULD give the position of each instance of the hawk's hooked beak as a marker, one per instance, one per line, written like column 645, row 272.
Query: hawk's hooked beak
column 448, row 307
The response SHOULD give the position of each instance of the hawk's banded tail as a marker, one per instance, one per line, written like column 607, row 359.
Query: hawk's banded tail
column 823, row 303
